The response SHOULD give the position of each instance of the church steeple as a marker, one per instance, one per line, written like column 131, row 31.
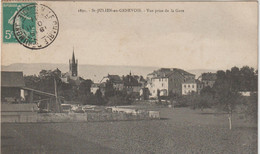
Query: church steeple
column 73, row 57
column 73, row 65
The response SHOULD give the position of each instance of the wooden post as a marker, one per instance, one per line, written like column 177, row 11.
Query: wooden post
column 56, row 96
column 230, row 118
column 31, row 97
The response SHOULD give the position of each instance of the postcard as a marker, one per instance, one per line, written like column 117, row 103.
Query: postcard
column 129, row 77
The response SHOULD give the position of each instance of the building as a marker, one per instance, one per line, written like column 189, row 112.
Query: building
column 72, row 75
column 73, row 66
column 141, row 80
column 189, row 87
column 131, row 84
column 57, row 72
column 167, row 81
column 200, row 86
column 95, row 86
column 144, row 94
column 12, row 84
column 117, row 82
column 208, row 79
column 14, row 91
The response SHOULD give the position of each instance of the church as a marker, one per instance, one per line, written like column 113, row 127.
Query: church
column 73, row 67
column 73, row 71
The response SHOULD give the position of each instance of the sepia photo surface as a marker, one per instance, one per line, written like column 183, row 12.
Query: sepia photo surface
column 129, row 77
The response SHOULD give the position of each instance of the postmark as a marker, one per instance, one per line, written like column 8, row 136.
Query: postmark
column 35, row 26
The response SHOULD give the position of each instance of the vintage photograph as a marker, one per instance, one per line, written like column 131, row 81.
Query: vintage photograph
column 105, row 77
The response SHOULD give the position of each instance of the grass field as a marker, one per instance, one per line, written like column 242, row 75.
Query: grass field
column 180, row 130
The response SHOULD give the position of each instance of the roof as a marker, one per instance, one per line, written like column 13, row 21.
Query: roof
column 12, row 79
column 209, row 76
column 131, row 81
column 73, row 58
column 167, row 72
column 115, row 78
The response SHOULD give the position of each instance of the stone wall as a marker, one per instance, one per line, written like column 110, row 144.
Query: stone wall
column 27, row 117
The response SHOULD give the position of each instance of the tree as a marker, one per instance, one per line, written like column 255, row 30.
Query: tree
column 226, row 88
column 200, row 101
column 251, row 106
column 109, row 89
column 100, row 99
column 158, row 95
column 84, row 87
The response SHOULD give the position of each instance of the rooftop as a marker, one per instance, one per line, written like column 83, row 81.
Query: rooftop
column 12, row 79
column 166, row 72
column 115, row 78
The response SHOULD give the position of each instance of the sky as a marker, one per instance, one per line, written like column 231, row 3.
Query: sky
column 207, row 35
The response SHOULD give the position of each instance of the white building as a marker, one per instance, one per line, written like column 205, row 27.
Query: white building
column 167, row 81
column 189, row 87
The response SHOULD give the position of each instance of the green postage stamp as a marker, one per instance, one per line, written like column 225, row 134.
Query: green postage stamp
column 9, row 12
column 35, row 26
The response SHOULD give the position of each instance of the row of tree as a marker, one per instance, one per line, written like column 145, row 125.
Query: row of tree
column 77, row 92
column 226, row 93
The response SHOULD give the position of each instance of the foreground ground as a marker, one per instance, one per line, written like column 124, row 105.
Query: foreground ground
column 180, row 130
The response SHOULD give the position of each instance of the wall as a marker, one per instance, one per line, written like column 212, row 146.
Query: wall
column 187, row 88
column 175, row 84
column 19, row 117
column 118, row 86
column 158, row 84
column 10, row 92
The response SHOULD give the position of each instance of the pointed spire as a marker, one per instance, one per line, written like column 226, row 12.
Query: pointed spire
column 73, row 57
column 130, row 73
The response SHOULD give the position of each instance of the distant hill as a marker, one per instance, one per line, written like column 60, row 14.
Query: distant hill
column 93, row 72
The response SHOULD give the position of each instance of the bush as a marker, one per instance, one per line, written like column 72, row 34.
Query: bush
column 118, row 100
column 195, row 101
column 250, row 109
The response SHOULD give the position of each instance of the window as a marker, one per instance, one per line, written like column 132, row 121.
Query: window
column 192, row 86
column 185, row 87
column 188, row 86
column 162, row 84
column 159, row 79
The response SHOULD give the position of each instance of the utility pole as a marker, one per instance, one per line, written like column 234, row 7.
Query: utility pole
column 56, row 96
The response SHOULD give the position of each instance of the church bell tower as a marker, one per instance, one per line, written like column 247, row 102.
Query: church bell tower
column 73, row 66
